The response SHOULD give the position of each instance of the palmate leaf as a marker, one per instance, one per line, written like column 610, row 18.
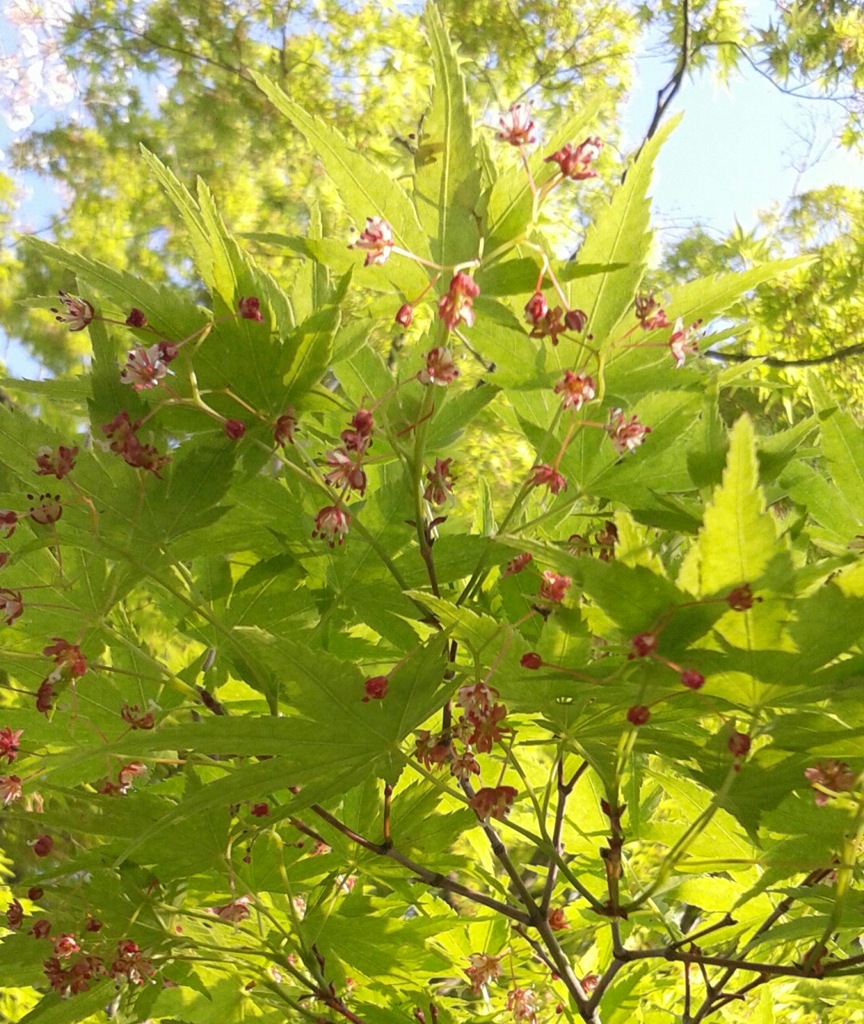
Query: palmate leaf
column 365, row 189
column 738, row 538
column 618, row 234
column 447, row 180
column 843, row 448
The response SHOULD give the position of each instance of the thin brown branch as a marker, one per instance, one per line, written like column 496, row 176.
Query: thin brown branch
column 433, row 879
column 743, row 357
column 667, row 93
column 564, row 791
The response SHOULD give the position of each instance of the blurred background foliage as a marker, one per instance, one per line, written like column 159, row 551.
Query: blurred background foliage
column 177, row 78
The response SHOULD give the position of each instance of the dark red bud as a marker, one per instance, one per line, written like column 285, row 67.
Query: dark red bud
column 692, row 680
column 739, row 744
column 235, row 429
column 575, row 319
column 136, row 318
column 638, row 715
column 532, row 660
column 43, row 846
column 376, row 688
column 405, row 315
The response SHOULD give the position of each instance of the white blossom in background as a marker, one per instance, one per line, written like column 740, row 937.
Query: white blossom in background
column 34, row 76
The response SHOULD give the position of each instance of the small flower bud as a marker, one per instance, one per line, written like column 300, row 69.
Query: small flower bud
column 405, row 315
column 260, row 810
column 741, row 599
column 638, row 715
column 642, row 645
column 35, row 892
column 739, row 744
column 235, row 429
column 136, row 318
column 531, row 660
column 376, row 688
column 250, row 308
column 43, row 846
column 692, row 680
column 536, row 308
column 575, row 320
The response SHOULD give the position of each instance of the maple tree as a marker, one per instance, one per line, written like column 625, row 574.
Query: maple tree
column 304, row 716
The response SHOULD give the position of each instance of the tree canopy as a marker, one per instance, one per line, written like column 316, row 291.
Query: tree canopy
column 417, row 622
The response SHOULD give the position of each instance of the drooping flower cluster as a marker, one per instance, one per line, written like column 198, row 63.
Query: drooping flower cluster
column 516, row 126
column 78, row 313
column 346, row 473
column 626, row 434
column 681, row 344
column 649, row 313
column 377, row 239
column 55, row 462
column 9, row 742
column 832, row 775
column 440, row 483
column 144, row 368
column 483, row 969
column 574, row 162
column 457, row 305
column 575, row 389
column 440, row 368
column 122, row 439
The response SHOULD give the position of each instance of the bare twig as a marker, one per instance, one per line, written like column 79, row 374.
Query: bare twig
column 832, row 357
column 433, row 879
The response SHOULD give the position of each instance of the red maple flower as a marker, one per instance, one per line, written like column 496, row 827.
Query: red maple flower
column 331, row 525
column 440, row 482
column 493, row 802
column 638, row 715
column 548, row 476
column 283, row 431
column 79, row 313
column 517, row 564
column 554, row 587
column 626, row 434
column 516, row 126
column 55, row 462
column 574, row 162
column 440, row 368
column 576, row 389
column 250, row 308
column 642, row 645
column 67, row 656
column 376, row 688
column 649, row 313
column 377, row 239
column 14, row 915
column 9, row 743
column 536, row 308
column 484, row 968
column 831, row 774
column 457, row 305
column 11, row 605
